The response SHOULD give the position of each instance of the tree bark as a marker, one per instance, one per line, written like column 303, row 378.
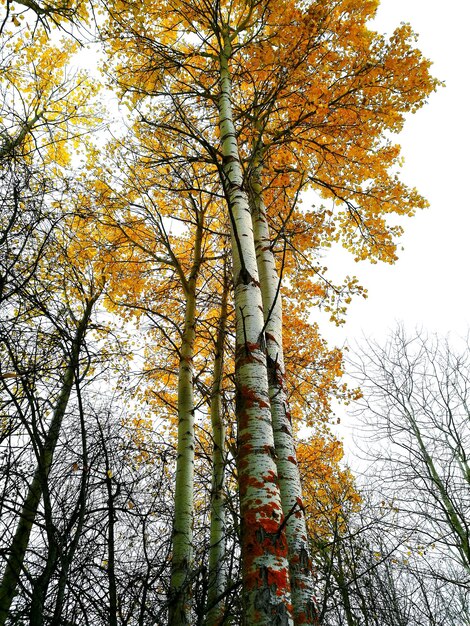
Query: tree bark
column 77, row 520
column 181, row 565
column 265, row 570
column 217, row 577
column 300, row 563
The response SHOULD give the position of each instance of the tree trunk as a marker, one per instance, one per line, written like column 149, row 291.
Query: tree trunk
column 217, row 568
column 28, row 513
column 181, row 565
column 455, row 521
column 344, row 588
column 300, row 563
column 40, row 586
column 265, row 569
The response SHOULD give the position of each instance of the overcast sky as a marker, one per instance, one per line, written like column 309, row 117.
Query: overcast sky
column 429, row 286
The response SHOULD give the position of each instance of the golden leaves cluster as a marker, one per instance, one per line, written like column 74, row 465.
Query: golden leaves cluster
column 316, row 96
column 330, row 495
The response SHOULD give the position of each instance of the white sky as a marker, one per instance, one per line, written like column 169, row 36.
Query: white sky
column 429, row 286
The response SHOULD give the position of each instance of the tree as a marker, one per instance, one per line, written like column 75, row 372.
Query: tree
column 201, row 71
column 372, row 569
column 217, row 570
column 140, row 230
column 235, row 109
column 415, row 400
column 43, row 112
column 50, row 305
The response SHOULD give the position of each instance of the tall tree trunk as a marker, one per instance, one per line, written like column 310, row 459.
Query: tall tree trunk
column 265, row 569
column 181, row 565
column 217, row 567
column 300, row 563
column 344, row 588
column 113, row 490
column 28, row 513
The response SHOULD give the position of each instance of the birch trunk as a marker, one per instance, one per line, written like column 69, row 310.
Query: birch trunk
column 217, row 572
column 300, row 563
column 28, row 513
column 265, row 569
column 181, row 565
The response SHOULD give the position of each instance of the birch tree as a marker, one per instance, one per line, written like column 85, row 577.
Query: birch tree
column 191, row 63
column 139, row 230
column 217, row 567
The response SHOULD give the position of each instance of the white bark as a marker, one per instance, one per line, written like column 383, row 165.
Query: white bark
column 217, row 567
column 181, row 565
column 265, row 571
column 300, row 565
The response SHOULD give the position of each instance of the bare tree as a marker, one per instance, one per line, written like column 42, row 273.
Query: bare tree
column 416, row 421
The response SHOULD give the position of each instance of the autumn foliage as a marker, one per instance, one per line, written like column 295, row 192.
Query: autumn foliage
column 186, row 233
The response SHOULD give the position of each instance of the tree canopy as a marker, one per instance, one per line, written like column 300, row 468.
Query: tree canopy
column 159, row 267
